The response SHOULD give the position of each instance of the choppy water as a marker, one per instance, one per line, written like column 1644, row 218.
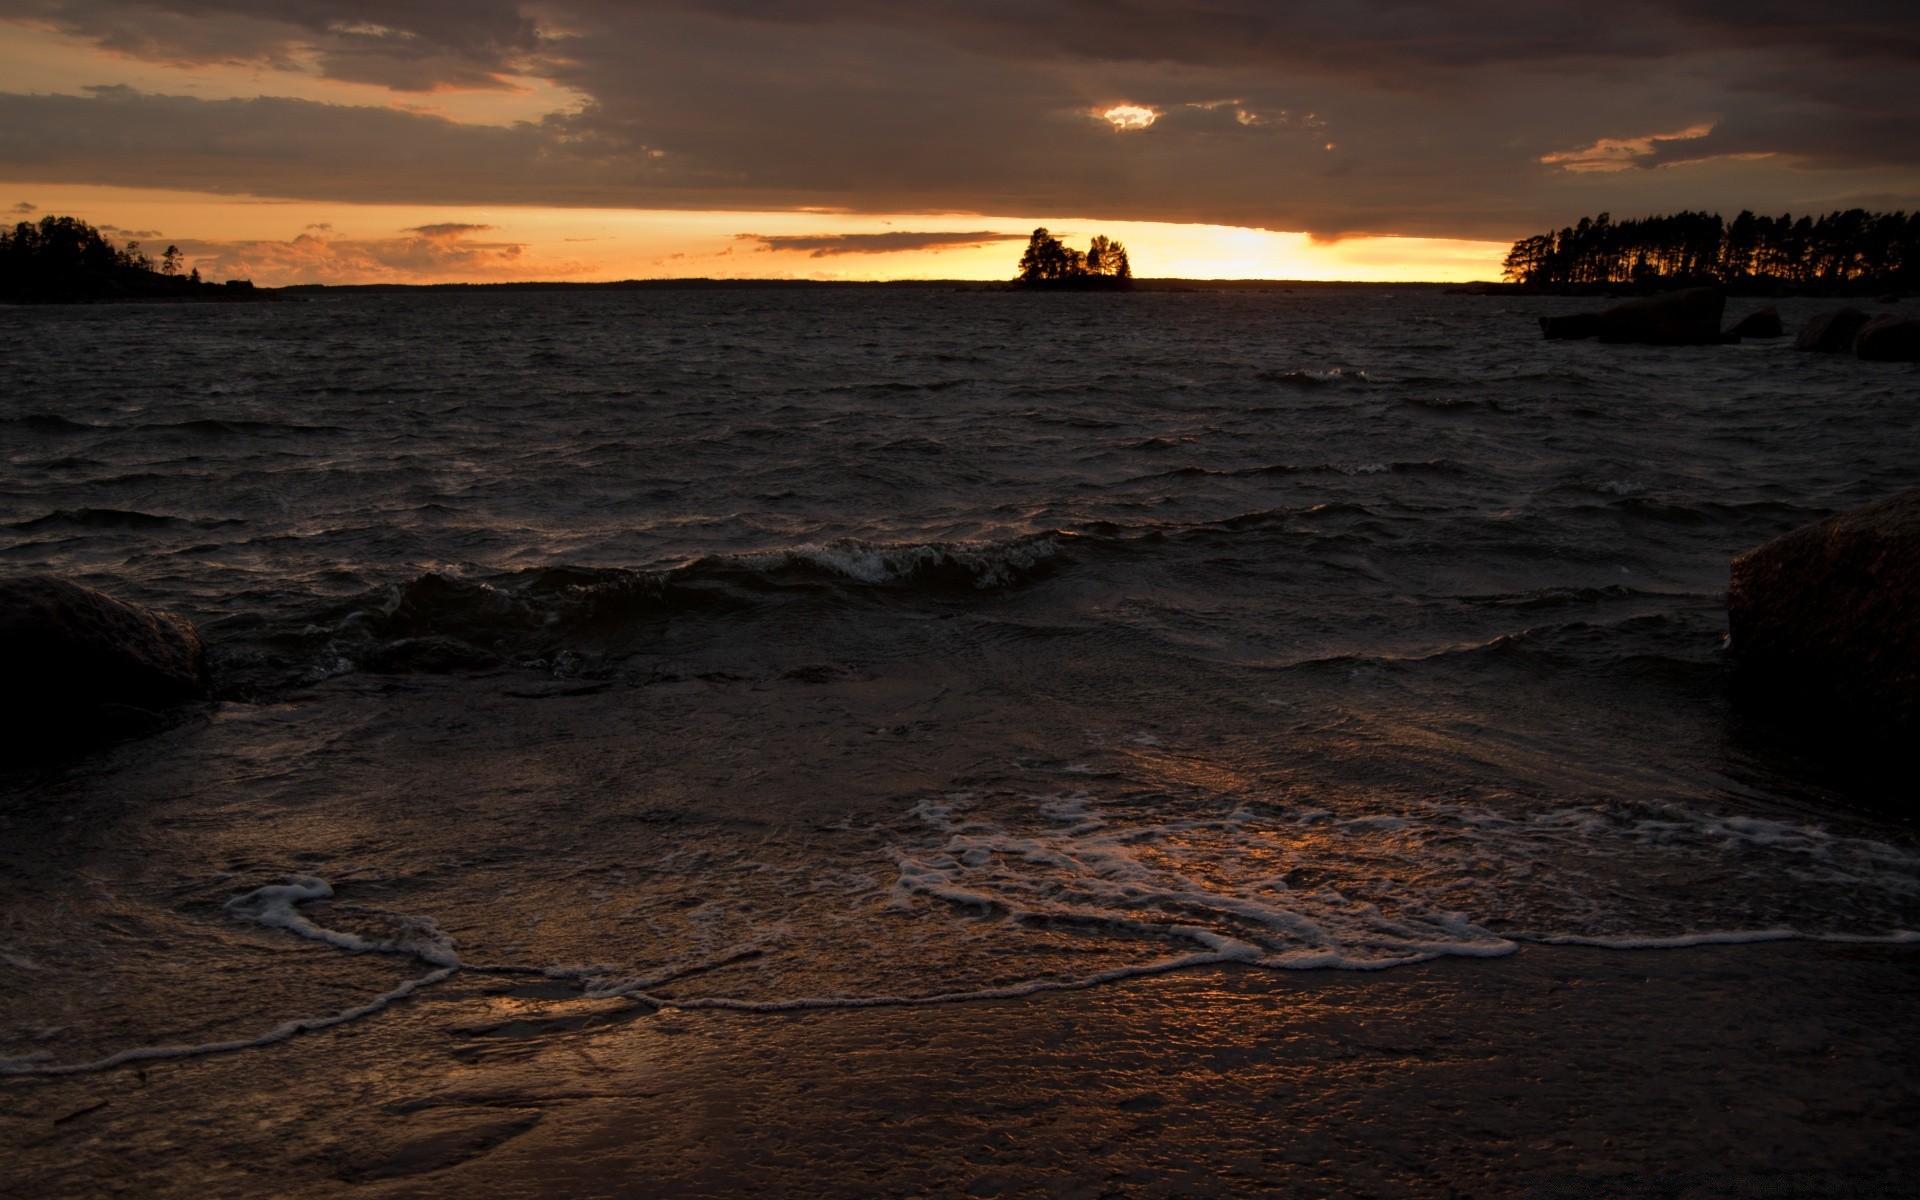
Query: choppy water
column 773, row 649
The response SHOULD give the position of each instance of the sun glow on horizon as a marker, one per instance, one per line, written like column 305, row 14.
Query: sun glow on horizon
column 280, row 242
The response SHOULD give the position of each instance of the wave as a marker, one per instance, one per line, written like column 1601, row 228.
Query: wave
column 96, row 518
column 49, row 423
column 1656, row 640
column 438, row 621
column 1332, row 377
column 1425, row 466
column 1561, row 597
column 220, row 427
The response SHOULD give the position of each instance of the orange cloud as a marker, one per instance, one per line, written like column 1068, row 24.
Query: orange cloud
column 1620, row 154
column 432, row 254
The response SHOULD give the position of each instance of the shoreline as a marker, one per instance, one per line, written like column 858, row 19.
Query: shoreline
column 1557, row 1071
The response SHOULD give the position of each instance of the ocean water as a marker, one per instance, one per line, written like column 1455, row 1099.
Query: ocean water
column 768, row 650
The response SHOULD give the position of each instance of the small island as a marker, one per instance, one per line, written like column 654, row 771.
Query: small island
column 64, row 260
column 1048, row 265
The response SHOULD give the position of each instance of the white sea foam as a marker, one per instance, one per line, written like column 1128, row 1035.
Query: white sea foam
column 274, row 906
column 999, row 890
column 986, row 564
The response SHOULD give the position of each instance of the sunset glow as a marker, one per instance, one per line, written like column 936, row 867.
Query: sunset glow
column 276, row 242
column 1129, row 116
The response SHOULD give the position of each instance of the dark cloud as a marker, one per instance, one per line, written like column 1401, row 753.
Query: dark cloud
column 447, row 229
column 1435, row 117
column 826, row 245
column 296, row 148
column 24, row 208
column 406, row 46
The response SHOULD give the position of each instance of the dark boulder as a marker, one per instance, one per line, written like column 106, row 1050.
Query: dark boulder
column 1831, row 332
column 84, row 668
column 1889, row 339
column 1684, row 318
column 1570, row 326
column 1762, row 324
column 1826, row 620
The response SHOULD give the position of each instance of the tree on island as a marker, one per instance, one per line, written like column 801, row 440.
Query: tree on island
column 65, row 260
column 1049, row 264
column 1851, row 250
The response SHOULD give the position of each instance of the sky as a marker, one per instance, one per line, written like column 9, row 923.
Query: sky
column 353, row 141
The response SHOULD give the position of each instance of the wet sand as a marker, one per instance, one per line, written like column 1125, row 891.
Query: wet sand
column 1779, row 1070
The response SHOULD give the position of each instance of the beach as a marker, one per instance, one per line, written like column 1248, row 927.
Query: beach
column 945, row 743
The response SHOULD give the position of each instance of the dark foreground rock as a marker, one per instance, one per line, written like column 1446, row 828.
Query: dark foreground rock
column 84, row 668
column 1686, row 318
column 1826, row 619
column 1570, row 327
column 1889, row 339
column 1831, row 332
column 1762, row 324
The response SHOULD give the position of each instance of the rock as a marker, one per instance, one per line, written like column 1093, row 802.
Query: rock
column 1570, row 326
column 1830, row 332
column 84, row 668
column 1826, row 619
column 1684, row 318
column 1762, row 324
column 1889, row 339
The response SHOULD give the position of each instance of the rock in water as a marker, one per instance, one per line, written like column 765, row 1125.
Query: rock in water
column 1831, row 332
column 1762, row 324
column 1827, row 618
column 1889, row 339
column 84, row 668
column 1570, row 326
column 1684, row 318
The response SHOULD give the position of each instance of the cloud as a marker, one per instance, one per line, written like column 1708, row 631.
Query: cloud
column 1453, row 118
column 271, row 146
column 1128, row 116
column 415, row 47
column 23, row 208
column 447, row 229
column 433, row 253
column 1620, row 154
column 826, row 245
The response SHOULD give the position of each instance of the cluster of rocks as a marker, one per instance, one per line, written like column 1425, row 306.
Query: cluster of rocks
column 1883, row 338
column 1692, row 318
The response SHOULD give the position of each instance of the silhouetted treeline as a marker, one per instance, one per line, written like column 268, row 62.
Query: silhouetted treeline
column 64, row 259
column 1048, row 263
column 1842, row 251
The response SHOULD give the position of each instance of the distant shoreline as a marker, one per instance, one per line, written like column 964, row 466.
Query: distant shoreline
column 217, row 293
column 1480, row 288
column 960, row 285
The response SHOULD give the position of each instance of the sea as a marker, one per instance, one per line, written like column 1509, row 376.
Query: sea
column 776, row 649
